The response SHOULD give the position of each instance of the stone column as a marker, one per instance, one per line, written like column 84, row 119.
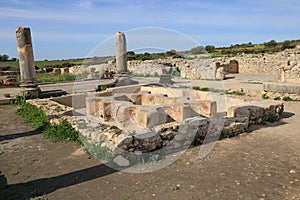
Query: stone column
column 122, row 77
column 26, row 62
column 121, row 58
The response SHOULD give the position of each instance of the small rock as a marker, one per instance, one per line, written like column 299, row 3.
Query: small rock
column 138, row 153
column 292, row 171
column 121, row 161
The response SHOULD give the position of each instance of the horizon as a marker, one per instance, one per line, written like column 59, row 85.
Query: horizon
column 72, row 29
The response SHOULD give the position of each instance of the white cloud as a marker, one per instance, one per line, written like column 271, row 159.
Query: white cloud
column 84, row 4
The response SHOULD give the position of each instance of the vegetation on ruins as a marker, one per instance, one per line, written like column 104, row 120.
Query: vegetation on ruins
column 206, row 89
column 287, row 98
column 37, row 118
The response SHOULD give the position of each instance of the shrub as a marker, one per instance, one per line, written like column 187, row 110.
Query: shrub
column 61, row 132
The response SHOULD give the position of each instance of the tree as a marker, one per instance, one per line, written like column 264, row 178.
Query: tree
column 198, row 50
column 4, row 58
column 287, row 45
column 13, row 59
column 271, row 43
column 210, row 48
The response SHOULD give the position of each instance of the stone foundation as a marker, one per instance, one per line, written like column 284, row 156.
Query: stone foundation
column 143, row 119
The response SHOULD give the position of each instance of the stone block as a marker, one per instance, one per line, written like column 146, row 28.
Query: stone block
column 204, row 108
column 178, row 112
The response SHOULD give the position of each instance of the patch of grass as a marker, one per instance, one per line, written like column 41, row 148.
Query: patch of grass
column 7, row 95
column 62, row 132
column 203, row 89
column 103, row 88
column 19, row 100
column 238, row 93
column 33, row 115
column 290, row 99
column 264, row 96
column 51, row 77
column 38, row 119
column 277, row 98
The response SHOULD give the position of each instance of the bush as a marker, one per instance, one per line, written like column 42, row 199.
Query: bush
column 61, row 132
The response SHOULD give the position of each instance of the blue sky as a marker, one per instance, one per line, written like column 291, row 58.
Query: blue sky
column 71, row 29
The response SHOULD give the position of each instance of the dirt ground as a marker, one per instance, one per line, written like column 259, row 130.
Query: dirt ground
column 263, row 164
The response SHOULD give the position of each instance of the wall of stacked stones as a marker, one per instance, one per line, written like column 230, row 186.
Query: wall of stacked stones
column 284, row 65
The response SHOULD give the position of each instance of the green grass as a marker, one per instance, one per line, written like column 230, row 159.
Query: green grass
column 50, row 77
column 7, row 95
column 206, row 89
column 61, row 132
column 33, row 115
column 290, row 99
column 55, row 78
column 264, row 96
column 238, row 93
column 38, row 119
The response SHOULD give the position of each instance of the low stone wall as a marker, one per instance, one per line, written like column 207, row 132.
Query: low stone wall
column 282, row 88
column 155, row 117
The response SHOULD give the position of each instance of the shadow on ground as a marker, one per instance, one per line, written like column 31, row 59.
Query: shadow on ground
column 19, row 135
column 44, row 186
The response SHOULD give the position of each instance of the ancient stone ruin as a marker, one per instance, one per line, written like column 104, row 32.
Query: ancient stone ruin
column 26, row 62
column 121, row 61
column 140, row 119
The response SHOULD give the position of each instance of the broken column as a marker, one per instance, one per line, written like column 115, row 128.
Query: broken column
column 26, row 63
column 121, row 61
column 121, row 58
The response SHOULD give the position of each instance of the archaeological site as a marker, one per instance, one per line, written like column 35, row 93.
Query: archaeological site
column 129, row 117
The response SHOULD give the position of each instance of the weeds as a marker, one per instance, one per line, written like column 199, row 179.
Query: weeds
column 19, row 100
column 62, row 132
column 38, row 119
column 7, row 95
column 235, row 93
column 33, row 115
column 264, row 96
column 290, row 99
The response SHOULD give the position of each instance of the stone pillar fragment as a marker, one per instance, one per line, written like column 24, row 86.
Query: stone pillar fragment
column 122, row 77
column 26, row 62
column 121, row 58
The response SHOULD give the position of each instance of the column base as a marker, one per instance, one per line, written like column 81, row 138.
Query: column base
column 31, row 93
column 124, row 79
